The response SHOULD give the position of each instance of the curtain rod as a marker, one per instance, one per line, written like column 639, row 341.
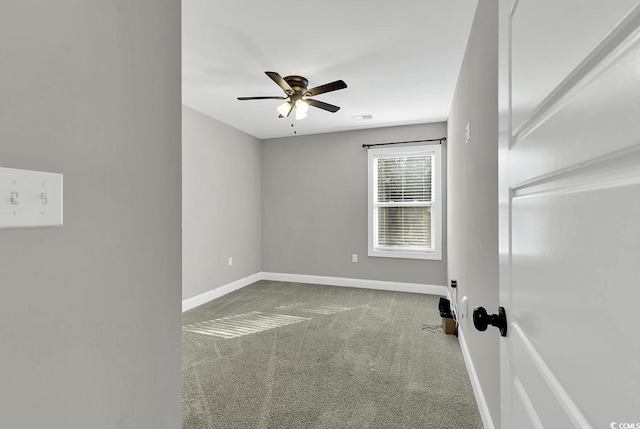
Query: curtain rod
column 440, row 140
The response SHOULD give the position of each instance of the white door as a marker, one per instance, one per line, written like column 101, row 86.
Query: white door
column 570, row 213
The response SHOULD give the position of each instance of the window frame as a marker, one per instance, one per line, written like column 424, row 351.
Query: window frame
column 435, row 253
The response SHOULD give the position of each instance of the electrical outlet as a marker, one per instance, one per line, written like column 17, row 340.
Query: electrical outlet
column 354, row 257
column 464, row 307
column 230, row 261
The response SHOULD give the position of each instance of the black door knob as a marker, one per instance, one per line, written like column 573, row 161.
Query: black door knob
column 481, row 320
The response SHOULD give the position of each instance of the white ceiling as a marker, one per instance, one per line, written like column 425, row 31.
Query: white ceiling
column 400, row 60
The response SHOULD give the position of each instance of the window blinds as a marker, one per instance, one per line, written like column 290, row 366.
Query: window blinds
column 403, row 202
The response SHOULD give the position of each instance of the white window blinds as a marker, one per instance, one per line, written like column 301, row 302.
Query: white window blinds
column 403, row 202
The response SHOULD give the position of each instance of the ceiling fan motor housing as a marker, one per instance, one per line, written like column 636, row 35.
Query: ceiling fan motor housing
column 297, row 83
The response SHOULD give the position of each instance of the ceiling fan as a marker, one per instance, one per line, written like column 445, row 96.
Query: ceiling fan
column 296, row 89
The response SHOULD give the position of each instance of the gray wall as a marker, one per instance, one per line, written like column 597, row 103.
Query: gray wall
column 90, row 312
column 473, row 194
column 221, row 203
column 314, row 207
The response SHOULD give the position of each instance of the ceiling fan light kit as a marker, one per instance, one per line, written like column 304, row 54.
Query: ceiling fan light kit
column 302, row 106
column 295, row 87
column 284, row 109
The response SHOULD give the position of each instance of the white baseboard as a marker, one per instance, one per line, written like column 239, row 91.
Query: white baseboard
column 205, row 297
column 358, row 283
column 212, row 294
column 487, row 421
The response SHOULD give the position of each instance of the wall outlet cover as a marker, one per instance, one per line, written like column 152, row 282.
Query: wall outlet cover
column 464, row 305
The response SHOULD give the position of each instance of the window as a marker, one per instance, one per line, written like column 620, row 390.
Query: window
column 405, row 202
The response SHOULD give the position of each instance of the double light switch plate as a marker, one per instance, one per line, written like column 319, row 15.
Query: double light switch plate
column 30, row 198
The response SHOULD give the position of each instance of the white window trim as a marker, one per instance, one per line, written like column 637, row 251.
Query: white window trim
column 436, row 202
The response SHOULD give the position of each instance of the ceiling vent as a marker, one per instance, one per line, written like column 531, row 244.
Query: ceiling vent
column 362, row 117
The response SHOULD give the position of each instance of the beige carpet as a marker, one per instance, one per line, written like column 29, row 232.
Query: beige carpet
column 290, row 355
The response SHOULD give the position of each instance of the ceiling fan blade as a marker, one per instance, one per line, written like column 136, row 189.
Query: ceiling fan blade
column 328, row 87
column 322, row 105
column 263, row 98
column 281, row 82
column 288, row 113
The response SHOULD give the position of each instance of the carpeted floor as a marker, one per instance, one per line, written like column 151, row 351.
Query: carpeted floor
column 289, row 355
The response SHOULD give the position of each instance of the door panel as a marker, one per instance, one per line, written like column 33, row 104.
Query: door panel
column 575, row 290
column 565, row 33
column 524, row 409
column 570, row 214
column 599, row 119
column 543, row 405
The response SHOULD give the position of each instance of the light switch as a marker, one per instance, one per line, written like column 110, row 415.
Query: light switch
column 32, row 198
